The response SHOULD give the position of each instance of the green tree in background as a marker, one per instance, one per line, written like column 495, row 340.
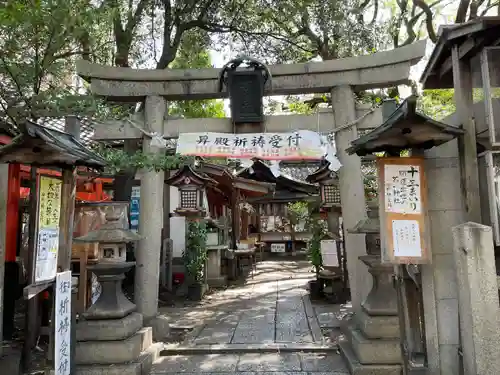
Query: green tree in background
column 437, row 104
column 193, row 54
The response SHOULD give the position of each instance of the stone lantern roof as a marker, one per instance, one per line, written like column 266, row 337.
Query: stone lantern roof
column 110, row 232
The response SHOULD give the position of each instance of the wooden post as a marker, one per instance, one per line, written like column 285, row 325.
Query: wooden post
column 462, row 83
column 31, row 320
column 235, row 210
column 68, row 196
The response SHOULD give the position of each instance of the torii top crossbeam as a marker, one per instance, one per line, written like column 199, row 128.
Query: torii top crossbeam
column 381, row 69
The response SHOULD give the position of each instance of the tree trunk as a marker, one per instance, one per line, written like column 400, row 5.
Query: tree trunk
column 123, row 182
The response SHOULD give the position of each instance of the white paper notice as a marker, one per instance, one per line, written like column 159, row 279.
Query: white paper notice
column 402, row 189
column 62, row 338
column 406, row 238
column 278, row 248
column 329, row 253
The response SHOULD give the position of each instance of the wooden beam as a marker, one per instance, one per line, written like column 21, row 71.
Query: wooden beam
column 464, row 49
column 462, row 82
column 322, row 122
column 248, row 186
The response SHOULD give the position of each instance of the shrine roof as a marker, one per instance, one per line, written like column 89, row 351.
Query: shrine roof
column 406, row 128
column 41, row 146
column 470, row 36
column 189, row 171
column 223, row 175
column 260, row 171
column 322, row 173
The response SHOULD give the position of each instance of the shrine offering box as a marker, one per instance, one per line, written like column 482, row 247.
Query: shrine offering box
column 89, row 217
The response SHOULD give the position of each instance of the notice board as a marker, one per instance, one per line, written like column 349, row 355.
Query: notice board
column 403, row 203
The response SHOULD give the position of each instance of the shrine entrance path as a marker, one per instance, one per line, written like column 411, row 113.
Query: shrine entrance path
column 267, row 326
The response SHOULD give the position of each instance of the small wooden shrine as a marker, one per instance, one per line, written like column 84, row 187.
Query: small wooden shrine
column 271, row 218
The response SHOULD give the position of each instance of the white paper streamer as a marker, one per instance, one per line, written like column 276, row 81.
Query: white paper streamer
column 275, row 168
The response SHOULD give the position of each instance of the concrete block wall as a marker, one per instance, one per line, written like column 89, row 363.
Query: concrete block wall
column 440, row 290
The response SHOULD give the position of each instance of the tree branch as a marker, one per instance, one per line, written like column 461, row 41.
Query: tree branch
column 428, row 19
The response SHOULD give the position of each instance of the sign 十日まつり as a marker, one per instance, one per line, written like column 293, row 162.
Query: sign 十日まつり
column 49, row 212
column 403, row 199
column 302, row 144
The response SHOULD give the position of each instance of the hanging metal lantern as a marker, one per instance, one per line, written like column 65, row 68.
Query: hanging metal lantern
column 245, row 88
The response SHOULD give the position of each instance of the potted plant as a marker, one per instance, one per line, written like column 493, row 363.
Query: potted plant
column 318, row 230
column 194, row 257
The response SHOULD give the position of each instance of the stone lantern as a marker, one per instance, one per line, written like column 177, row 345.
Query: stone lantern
column 111, row 266
column 111, row 333
column 382, row 299
column 328, row 185
column 192, row 194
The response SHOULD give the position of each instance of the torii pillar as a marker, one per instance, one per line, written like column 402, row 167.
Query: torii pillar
column 352, row 193
column 147, row 269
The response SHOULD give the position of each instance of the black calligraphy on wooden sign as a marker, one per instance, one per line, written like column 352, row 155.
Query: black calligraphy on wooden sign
column 402, row 189
column 62, row 334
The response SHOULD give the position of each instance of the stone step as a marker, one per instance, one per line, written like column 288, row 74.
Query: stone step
column 141, row 366
column 183, row 349
column 251, row 363
column 374, row 351
column 114, row 352
column 356, row 368
column 375, row 327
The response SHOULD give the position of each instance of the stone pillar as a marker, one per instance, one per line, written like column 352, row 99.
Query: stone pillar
column 214, row 277
column 352, row 193
column 4, row 182
column 439, row 285
column 478, row 298
column 147, row 271
column 333, row 221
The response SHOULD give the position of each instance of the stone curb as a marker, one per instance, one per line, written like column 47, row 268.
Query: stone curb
column 314, row 326
column 245, row 348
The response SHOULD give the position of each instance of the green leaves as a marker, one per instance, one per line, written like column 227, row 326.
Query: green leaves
column 39, row 41
column 195, row 253
column 118, row 161
column 193, row 53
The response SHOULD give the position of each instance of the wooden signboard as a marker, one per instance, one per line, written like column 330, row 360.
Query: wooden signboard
column 403, row 203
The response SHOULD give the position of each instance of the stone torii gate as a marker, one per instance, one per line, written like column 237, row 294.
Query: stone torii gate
column 340, row 77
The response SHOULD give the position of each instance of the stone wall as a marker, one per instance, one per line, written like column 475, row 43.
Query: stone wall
column 440, row 292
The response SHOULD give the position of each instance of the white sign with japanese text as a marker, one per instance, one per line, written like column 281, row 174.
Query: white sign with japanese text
column 49, row 212
column 62, row 324
column 329, row 254
column 302, row 145
column 402, row 189
column 406, row 238
column 278, row 248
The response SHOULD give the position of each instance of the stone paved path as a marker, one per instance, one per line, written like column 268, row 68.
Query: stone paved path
column 267, row 326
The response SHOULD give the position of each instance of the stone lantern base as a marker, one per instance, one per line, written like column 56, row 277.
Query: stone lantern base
column 115, row 347
column 111, row 339
column 372, row 337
